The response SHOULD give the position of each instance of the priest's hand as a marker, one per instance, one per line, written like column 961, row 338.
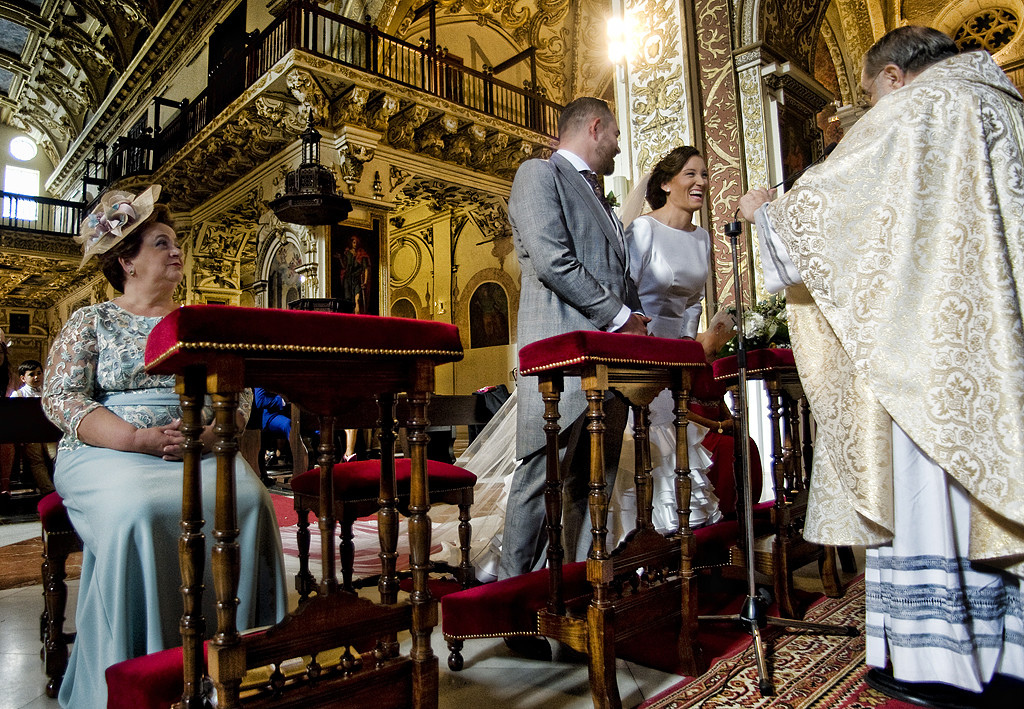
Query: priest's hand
column 752, row 201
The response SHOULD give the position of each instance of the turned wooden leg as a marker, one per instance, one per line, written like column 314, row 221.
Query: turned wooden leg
column 466, row 575
column 455, row 659
column 347, row 552
column 305, row 583
column 551, row 391
column 56, row 548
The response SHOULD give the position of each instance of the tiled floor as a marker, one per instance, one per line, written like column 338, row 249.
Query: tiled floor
column 492, row 677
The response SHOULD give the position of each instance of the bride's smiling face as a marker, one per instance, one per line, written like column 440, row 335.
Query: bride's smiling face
column 687, row 189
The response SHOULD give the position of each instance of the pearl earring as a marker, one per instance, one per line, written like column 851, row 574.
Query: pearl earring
column 131, row 271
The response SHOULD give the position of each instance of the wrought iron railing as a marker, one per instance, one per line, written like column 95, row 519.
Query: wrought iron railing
column 20, row 212
column 309, row 28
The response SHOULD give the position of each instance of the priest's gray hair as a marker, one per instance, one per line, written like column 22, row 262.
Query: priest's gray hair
column 911, row 48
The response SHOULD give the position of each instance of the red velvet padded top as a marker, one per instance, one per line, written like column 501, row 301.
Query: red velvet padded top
column 187, row 334
column 572, row 348
column 765, row 360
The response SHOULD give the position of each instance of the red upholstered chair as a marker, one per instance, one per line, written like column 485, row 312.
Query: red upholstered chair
column 357, row 484
column 318, row 361
column 59, row 540
column 781, row 549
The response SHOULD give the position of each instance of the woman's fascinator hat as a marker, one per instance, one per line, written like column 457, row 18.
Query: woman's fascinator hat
column 115, row 217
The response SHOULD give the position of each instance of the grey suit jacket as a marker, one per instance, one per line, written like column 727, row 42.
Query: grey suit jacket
column 575, row 275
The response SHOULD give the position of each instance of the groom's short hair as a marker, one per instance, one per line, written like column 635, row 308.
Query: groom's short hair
column 579, row 112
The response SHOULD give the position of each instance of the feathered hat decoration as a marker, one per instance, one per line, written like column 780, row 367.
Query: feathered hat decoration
column 115, row 217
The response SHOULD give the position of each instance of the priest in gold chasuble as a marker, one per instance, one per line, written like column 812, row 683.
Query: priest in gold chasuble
column 903, row 255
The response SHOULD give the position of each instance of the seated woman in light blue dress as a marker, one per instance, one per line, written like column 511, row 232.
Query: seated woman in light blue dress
column 119, row 464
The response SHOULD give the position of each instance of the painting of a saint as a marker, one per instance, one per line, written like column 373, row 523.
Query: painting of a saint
column 354, row 259
column 488, row 316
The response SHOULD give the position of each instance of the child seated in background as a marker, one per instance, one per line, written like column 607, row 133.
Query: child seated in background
column 39, row 455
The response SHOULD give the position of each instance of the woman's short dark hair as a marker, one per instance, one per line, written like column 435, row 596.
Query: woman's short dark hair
column 911, row 48
column 110, row 262
column 667, row 168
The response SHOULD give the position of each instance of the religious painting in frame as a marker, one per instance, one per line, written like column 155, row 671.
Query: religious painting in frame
column 488, row 316
column 355, row 268
column 800, row 139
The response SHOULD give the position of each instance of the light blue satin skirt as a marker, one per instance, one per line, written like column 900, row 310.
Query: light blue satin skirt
column 126, row 507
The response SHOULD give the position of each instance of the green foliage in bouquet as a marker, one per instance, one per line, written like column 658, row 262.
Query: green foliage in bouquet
column 764, row 326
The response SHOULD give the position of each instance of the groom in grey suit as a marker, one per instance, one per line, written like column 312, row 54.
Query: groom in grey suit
column 575, row 276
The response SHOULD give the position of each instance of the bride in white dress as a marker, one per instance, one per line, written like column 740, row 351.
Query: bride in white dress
column 669, row 261
column 669, row 258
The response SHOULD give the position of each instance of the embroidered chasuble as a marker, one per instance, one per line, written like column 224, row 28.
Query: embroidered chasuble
column 910, row 243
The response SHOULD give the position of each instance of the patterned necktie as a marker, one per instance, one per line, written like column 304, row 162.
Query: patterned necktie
column 591, row 177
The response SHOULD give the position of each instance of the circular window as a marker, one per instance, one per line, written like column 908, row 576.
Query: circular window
column 992, row 30
column 23, row 148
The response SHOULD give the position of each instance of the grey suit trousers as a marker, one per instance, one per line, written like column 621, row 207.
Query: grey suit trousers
column 525, row 539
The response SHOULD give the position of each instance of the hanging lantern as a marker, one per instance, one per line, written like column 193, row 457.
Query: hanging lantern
column 310, row 192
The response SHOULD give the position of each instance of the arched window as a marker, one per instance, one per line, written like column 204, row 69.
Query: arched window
column 488, row 316
column 285, row 283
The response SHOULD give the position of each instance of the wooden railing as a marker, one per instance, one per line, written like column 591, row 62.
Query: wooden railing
column 40, row 214
column 309, row 28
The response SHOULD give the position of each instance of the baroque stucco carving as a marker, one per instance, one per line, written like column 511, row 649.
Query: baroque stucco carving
column 657, row 90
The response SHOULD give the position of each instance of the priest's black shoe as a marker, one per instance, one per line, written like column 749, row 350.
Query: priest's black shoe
column 926, row 694
column 530, row 646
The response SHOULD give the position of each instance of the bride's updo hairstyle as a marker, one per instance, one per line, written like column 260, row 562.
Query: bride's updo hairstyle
column 667, row 168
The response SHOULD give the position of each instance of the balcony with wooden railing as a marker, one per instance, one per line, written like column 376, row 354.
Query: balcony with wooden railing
column 305, row 27
column 40, row 215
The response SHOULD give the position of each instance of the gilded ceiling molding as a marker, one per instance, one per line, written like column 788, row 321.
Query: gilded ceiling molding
column 847, row 92
column 657, row 91
column 856, row 29
column 876, row 17
column 312, row 102
column 790, row 28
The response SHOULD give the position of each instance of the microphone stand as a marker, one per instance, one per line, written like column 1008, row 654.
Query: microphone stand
column 754, row 614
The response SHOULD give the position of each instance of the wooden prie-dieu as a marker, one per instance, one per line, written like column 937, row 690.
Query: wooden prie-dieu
column 648, row 581
column 320, row 361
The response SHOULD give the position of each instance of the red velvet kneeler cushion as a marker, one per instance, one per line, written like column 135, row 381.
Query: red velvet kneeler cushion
column 763, row 360
column 186, row 336
column 153, row 681
column 52, row 514
column 573, row 348
column 360, row 480
column 509, row 607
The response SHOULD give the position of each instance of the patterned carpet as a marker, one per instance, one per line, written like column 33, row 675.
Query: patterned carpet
column 808, row 671
column 21, row 564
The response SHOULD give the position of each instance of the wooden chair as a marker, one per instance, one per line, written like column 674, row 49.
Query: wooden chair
column 356, row 483
column 317, row 360
column 23, row 421
column 649, row 580
column 779, row 553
